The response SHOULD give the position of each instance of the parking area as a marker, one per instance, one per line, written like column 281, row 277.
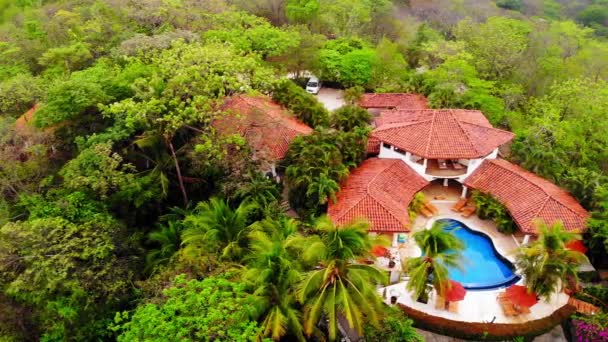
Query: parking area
column 331, row 98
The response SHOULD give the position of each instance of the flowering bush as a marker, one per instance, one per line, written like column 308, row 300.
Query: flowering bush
column 591, row 328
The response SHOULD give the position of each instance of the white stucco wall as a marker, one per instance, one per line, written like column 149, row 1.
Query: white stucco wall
column 473, row 164
column 409, row 159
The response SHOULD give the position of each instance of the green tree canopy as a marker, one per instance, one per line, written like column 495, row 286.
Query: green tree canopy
column 213, row 309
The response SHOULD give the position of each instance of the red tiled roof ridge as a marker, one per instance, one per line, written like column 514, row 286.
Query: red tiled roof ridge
column 376, row 195
column 432, row 120
column 508, row 167
column 268, row 127
column 475, row 136
column 434, row 111
column 428, row 140
column 380, row 190
column 459, row 123
column 368, row 185
column 527, row 196
column 253, row 101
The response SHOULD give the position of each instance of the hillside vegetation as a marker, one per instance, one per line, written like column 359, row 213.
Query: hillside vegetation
column 125, row 216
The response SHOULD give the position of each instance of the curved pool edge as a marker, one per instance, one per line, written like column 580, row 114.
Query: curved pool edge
column 477, row 306
column 479, row 287
column 464, row 220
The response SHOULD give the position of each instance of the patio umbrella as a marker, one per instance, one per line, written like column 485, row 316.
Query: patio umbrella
column 519, row 295
column 381, row 251
column 577, row 245
column 455, row 292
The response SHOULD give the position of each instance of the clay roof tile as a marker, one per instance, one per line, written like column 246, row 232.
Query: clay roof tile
column 267, row 127
column 380, row 191
column 527, row 196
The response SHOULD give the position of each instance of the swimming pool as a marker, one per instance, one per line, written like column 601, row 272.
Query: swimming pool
column 482, row 266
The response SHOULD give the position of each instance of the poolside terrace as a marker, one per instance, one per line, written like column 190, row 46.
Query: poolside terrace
column 470, row 309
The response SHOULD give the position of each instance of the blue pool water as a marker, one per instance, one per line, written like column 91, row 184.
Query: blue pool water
column 482, row 266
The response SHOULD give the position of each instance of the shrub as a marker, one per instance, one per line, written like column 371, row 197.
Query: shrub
column 301, row 103
column 394, row 327
column 349, row 117
column 415, row 205
column 490, row 208
column 591, row 328
column 597, row 295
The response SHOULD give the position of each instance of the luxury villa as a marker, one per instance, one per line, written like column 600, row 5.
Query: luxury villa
column 414, row 147
column 442, row 153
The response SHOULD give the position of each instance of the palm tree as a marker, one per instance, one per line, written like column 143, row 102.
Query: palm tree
column 440, row 250
column 215, row 226
column 260, row 190
column 338, row 285
column 546, row 264
column 323, row 188
column 274, row 270
column 168, row 237
column 155, row 146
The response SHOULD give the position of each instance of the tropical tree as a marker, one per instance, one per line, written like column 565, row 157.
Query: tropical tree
column 274, row 271
column 168, row 240
column 338, row 286
column 212, row 309
column 260, row 190
column 315, row 169
column 546, row 264
column 347, row 118
column 440, row 250
column 416, row 205
column 215, row 227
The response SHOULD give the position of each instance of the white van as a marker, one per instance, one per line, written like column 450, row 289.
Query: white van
column 313, row 86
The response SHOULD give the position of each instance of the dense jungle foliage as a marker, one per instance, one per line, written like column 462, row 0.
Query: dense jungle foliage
column 125, row 216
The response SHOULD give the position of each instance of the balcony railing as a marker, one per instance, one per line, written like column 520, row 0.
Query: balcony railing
column 450, row 169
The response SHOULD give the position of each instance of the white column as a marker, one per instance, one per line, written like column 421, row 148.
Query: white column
column 464, row 192
column 526, row 239
column 445, row 182
column 273, row 169
column 424, row 163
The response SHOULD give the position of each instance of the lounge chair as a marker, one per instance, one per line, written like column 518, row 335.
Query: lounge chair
column 456, row 165
column 508, row 308
column 440, row 303
column 459, row 205
column 433, row 209
column 468, row 211
column 427, row 213
column 453, row 307
column 442, row 164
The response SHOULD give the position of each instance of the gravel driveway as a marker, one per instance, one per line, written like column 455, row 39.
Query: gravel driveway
column 331, row 98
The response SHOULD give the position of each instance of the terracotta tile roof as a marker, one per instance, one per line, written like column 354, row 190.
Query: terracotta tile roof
column 528, row 196
column 395, row 116
column 24, row 124
column 440, row 133
column 393, row 100
column 373, row 145
column 267, row 127
column 380, row 191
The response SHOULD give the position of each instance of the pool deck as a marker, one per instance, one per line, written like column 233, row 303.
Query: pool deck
column 478, row 305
